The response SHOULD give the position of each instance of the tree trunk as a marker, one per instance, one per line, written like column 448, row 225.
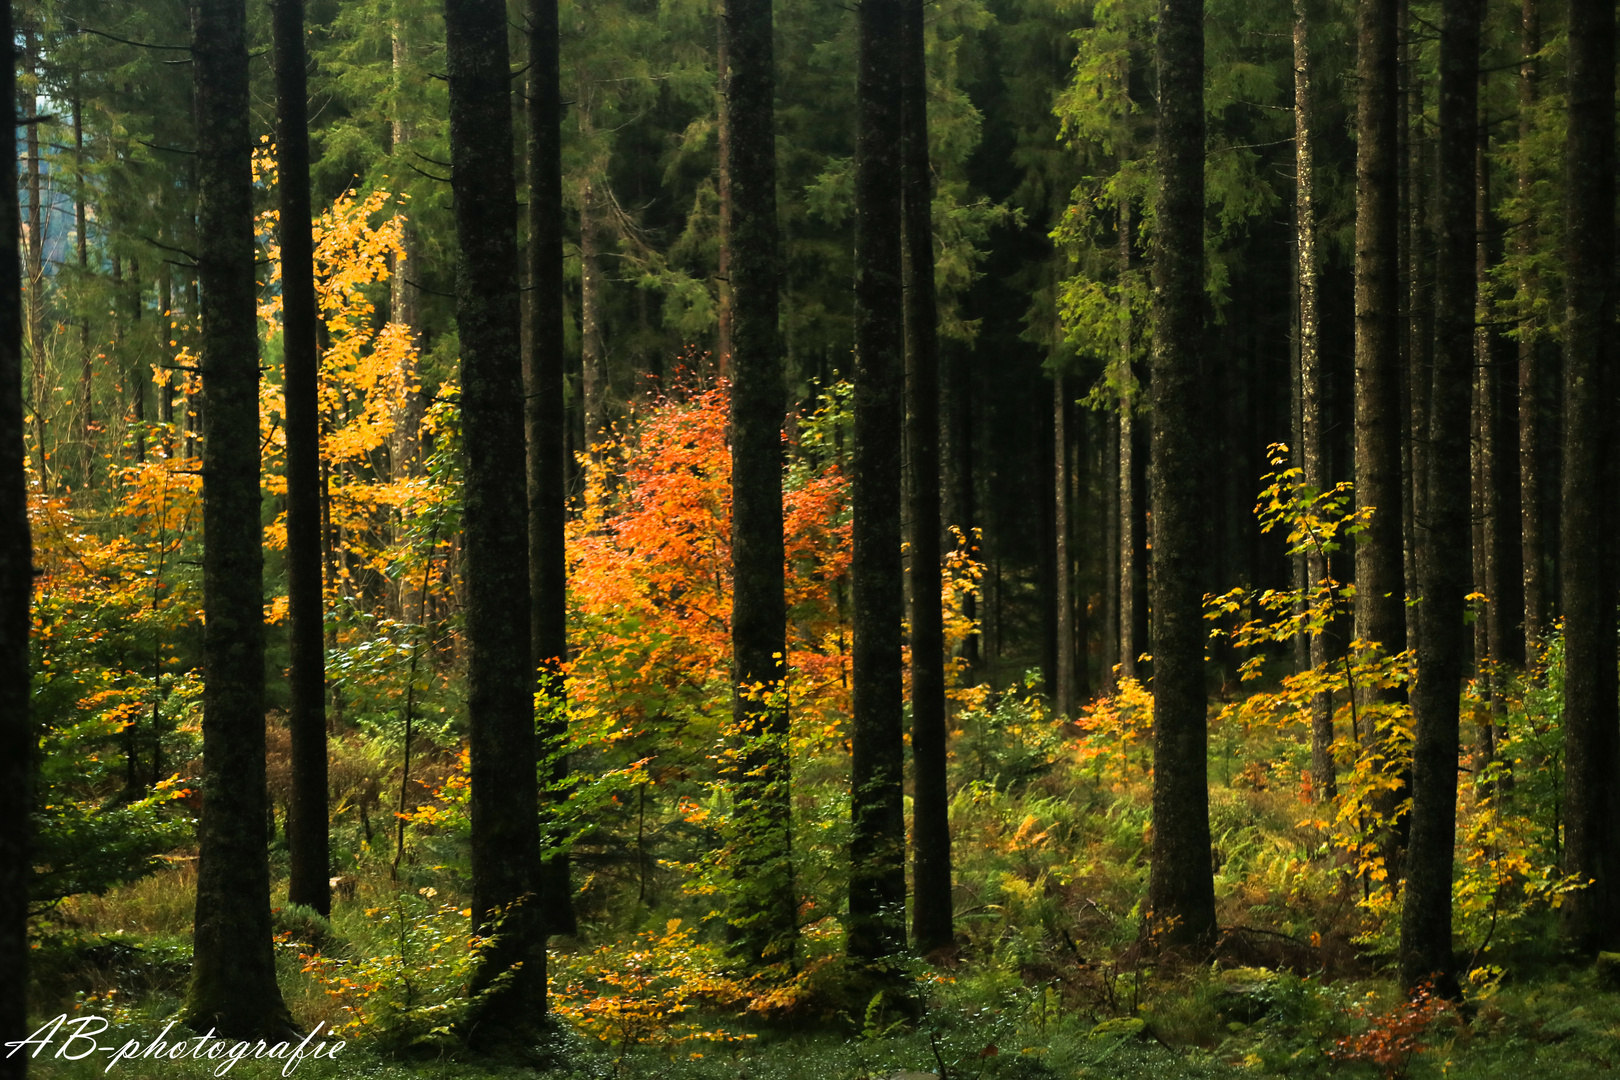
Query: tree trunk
column 1064, row 700
column 545, row 427
column 1129, row 538
column 17, row 738
column 86, row 457
column 1181, row 887
column 1531, row 450
column 307, row 823
column 1591, row 916
column 500, row 677
column 931, row 837
column 724, row 316
column 1425, row 946
column 594, row 351
column 233, row 975
column 1108, row 490
column 1420, row 348
column 877, row 885
column 1380, row 611
column 1310, row 458
column 34, row 256
column 765, row 905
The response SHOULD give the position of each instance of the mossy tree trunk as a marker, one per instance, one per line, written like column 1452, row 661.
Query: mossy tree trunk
column 501, row 678
column 1181, row 887
column 233, row 976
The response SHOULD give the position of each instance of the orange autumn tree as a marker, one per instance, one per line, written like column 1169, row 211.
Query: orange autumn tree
column 650, row 573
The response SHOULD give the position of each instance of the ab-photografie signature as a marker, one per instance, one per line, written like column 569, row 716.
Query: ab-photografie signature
column 81, row 1043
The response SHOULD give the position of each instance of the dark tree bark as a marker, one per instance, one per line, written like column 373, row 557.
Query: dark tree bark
column 1108, row 490
column 1181, row 887
column 877, row 885
column 34, row 257
column 1420, row 340
column 86, row 457
column 16, row 594
column 1311, row 456
column 764, row 908
column 1425, row 947
column 545, row 423
column 1380, row 612
column 1531, row 449
column 723, row 295
column 931, row 836
column 495, row 534
column 1591, row 916
column 307, row 840
column 233, row 974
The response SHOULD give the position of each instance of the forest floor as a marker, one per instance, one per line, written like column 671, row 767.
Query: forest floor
column 1051, row 980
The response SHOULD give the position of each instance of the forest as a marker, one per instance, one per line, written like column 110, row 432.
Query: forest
column 780, row 540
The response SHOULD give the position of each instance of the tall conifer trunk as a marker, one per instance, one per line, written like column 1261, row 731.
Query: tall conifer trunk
column 545, row 422
column 1181, row 887
column 931, row 837
column 16, row 593
column 1531, row 450
column 1591, row 916
column 765, row 907
column 495, row 534
column 307, row 839
column 1425, row 944
column 1380, row 611
column 877, row 886
column 233, row 974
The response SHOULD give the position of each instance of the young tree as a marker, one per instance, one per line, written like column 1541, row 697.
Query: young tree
column 877, row 874
column 765, row 907
column 307, row 840
column 16, row 594
column 1425, row 947
column 931, row 837
column 1310, row 406
column 544, row 419
column 1591, row 738
column 233, row 975
column 500, row 676
column 1181, row 887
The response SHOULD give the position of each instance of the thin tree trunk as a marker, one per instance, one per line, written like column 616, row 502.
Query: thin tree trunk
column 877, row 885
column 1591, row 916
column 545, row 424
column 1064, row 591
column 1425, row 945
column 727, row 131
column 307, row 822
column 1531, row 450
column 34, row 285
column 17, row 737
column 81, row 234
column 1420, row 349
column 765, row 906
column 1181, row 887
column 1311, row 456
column 931, row 837
column 1108, row 490
column 501, row 679
column 594, row 351
column 233, row 974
